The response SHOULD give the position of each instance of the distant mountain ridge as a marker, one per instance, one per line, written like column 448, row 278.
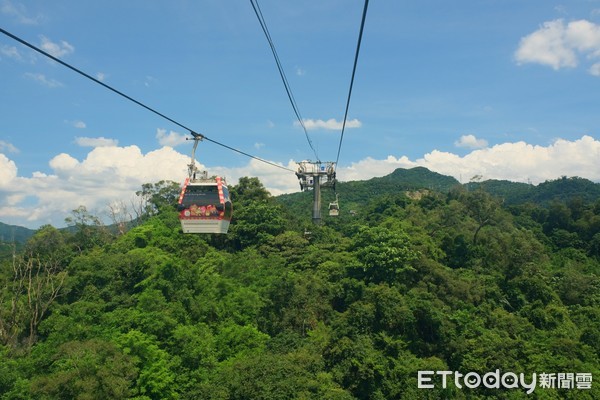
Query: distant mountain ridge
column 14, row 233
column 561, row 189
column 354, row 194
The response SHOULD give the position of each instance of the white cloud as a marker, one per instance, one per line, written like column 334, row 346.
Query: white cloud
column 109, row 174
column 10, row 52
column 41, row 78
column 330, row 124
column 559, row 45
column 370, row 167
column 8, row 171
column 259, row 146
column 19, row 12
column 170, row 139
column 471, row 142
column 6, row 146
column 519, row 162
column 78, row 124
column 101, row 76
column 300, row 71
column 595, row 69
column 523, row 162
column 150, row 80
column 62, row 162
column 95, row 142
column 57, row 50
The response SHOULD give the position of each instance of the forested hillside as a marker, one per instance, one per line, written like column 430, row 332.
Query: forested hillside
column 11, row 237
column 446, row 280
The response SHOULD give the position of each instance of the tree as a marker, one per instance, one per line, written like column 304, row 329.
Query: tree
column 155, row 197
column 120, row 216
column 27, row 297
column 48, row 243
column 255, row 223
column 92, row 369
column 385, row 255
column 89, row 231
column 249, row 189
column 156, row 379
column 482, row 208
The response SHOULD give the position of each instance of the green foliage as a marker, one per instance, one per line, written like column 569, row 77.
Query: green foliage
column 418, row 279
column 249, row 190
column 156, row 197
column 156, row 378
column 256, row 223
column 385, row 255
column 93, row 369
column 88, row 230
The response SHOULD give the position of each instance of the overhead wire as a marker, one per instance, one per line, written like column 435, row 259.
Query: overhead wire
column 139, row 103
column 362, row 26
column 286, row 84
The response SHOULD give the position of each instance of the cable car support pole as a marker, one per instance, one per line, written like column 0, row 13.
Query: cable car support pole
column 316, row 217
column 313, row 175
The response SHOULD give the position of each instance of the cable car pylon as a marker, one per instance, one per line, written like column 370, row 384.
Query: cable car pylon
column 314, row 175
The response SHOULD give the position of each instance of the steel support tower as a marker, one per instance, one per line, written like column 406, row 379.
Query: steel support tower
column 314, row 175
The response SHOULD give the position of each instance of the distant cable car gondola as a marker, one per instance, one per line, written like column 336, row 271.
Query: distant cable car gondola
column 204, row 205
column 334, row 207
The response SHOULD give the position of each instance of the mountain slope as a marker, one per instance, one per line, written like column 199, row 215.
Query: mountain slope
column 13, row 233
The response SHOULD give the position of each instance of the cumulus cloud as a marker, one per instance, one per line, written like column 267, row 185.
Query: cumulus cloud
column 560, row 45
column 10, row 52
column 95, row 142
column 63, row 162
column 77, row 124
column 518, row 161
column 19, row 12
column 300, row 71
column 101, row 76
column 149, row 80
column 105, row 175
column 8, row 147
column 57, row 50
column 330, row 124
column 41, row 78
column 169, row 139
column 113, row 173
column 8, row 171
column 471, row 142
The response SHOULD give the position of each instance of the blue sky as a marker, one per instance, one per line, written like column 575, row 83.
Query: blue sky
column 506, row 89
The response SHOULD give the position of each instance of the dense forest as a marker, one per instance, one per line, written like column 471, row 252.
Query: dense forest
column 432, row 276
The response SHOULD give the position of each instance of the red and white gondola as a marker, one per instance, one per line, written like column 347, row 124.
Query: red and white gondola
column 204, row 204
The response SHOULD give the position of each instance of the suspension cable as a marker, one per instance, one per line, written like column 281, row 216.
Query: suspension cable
column 46, row 54
column 288, row 90
column 362, row 25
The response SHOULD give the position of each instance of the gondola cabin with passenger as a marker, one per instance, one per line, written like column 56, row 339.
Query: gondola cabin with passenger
column 204, row 206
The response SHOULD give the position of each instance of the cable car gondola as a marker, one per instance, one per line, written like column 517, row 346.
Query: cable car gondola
column 204, row 204
column 334, row 207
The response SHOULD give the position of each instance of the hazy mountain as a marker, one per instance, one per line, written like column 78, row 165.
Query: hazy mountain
column 355, row 194
column 13, row 233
